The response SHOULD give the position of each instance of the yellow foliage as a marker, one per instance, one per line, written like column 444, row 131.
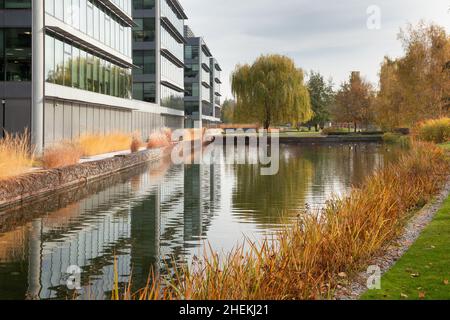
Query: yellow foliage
column 15, row 155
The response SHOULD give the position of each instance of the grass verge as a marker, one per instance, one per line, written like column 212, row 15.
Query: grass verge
column 424, row 271
column 310, row 259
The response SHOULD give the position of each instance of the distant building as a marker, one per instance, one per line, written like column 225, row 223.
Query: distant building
column 202, row 83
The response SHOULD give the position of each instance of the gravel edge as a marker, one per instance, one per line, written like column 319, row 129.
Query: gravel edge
column 387, row 259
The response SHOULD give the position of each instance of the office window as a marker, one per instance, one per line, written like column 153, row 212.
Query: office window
column 150, row 92
column 59, row 62
column 17, row 50
column 67, row 11
column 95, row 74
column 144, row 31
column 143, row 4
column 67, row 65
column 75, row 67
column 107, row 78
column 15, row 4
column 90, row 19
column 50, row 7
column 49, row 59
column 138, row 91
column 83, row 61
column 89, row 72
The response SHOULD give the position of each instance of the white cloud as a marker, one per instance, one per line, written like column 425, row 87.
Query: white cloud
column 329, row 36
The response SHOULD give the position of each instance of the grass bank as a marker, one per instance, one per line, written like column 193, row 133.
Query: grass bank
column 424, row 271
column 311, row 258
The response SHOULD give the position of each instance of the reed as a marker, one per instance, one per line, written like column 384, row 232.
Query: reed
column 94, row 144
column 435, row 130
column 15, row 155
column 61, row 155
column 309, row 259
column 136, row 143
column 158, row 139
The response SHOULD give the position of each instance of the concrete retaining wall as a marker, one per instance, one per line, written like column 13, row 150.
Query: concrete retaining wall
column 32, row 185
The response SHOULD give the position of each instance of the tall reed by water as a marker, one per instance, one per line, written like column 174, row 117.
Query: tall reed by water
column 94, row 144
column 15, row 155
column 309, row 259
column 63, row 154
column 435, row 130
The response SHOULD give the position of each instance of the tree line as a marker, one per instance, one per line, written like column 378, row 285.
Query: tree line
column 414, row 87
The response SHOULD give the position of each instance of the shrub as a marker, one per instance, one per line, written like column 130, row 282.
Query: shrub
column 334, row 131
column 136, row 144
column 15, row 155
column 391, row 138
column 94, row 144
column 168, row 133
column 437, row 130
column 61, row 155
column 157, row 140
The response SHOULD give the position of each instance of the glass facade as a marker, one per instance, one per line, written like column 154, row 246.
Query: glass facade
column 69, row 65
column 170, row 43
column 192, row 89
column 15, row 54
column 171, row 72
column 171, row 98
column 144, row 91
column 144, row 60
column 94, row 20
column 143, row 4
column 169, row 12
column 16, row 4
column 144, row 31
column 191, row 52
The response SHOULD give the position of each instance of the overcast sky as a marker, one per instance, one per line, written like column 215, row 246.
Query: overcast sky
column 323, row 35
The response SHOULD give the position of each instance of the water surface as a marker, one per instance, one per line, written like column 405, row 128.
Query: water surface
column 154, row 212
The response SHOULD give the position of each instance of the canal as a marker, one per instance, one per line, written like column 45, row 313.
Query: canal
column 145, row 217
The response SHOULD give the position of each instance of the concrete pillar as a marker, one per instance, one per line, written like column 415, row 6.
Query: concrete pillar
column 37, row 91
column 158, row 52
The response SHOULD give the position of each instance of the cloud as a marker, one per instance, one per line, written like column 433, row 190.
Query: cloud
column 329, row 36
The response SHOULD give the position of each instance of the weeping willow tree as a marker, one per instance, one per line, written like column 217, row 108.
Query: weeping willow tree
column 270, row 92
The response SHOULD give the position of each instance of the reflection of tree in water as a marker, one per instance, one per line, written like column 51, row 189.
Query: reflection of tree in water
column 262, row 199
column 307, row 174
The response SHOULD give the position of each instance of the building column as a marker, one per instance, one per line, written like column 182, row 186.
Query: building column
column 158, row 52
column 37, row 91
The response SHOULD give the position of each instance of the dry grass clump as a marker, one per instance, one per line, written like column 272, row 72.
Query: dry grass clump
column 61, row 155
column 436, row 130
column 15, row 155
column 136, row 144
column 309, row 259
column 94, row 144
column 158, row 139
column 168, row 133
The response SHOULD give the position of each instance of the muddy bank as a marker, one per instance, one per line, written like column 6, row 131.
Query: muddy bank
column 37, row 184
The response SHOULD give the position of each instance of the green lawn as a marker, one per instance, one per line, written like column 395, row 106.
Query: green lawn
column 424, row 271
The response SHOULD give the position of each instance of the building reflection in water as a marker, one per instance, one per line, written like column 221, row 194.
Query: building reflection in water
column 142, row 223
column 148, row 216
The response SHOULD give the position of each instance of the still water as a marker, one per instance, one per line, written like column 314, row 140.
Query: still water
column 154, row 212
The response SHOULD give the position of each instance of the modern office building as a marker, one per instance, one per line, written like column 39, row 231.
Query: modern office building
column 67, row 68
column 158, row 53
column 201, row 81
